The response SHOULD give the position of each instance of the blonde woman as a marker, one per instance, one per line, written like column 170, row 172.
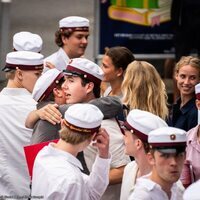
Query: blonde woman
column 184, row 111
column 144, row 89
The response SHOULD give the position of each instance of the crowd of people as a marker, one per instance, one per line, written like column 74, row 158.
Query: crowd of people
column 96, row 132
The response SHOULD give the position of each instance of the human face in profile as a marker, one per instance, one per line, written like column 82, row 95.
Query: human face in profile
column 111, row 73
column 29, row 78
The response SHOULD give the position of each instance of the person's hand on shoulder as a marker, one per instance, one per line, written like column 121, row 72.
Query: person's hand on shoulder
column 50, row 113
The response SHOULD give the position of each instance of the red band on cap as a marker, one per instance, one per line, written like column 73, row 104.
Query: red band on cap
column 88, row 76
column 139, row 134
column 80, row 129
column 48, row 91
column 168, row 144
column 198, row 96
column 24, row 67
column 84, row 28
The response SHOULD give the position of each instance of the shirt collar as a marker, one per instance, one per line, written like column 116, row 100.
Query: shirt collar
column 66, row 156
column 15, row 91
column 187, row 107
column 146, row 182
column 64, row 56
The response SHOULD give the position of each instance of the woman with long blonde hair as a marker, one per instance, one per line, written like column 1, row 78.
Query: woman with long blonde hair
column 144, row 89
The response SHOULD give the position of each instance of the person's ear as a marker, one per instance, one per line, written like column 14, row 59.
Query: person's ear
column 19, row 74
column 64, row 39
column 138, row 144
column 57, row 93
column 62, row 123
column 198, row 104
column 89, row 87
column 150, row 158
column 120, row 72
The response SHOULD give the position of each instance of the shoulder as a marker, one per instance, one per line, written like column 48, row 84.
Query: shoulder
column 107, row 91
column 63, row 108
column 51, row 57
column 131, row 166
column 113, row 129
column 179, row 186
column 45, row 131
column 192, row 133
column 130, row 170
column 110, row 106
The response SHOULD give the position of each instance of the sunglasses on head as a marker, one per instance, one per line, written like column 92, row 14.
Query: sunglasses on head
column 123, row 126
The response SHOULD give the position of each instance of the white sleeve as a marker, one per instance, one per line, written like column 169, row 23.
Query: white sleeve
column 98, row 180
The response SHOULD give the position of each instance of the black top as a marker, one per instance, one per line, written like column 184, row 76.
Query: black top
column 184, row 117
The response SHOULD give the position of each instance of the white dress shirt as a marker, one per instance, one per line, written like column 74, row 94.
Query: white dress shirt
column 59, row 59
column 146, row 189
column 129, row 179
column 57, row 175
column 15, row 105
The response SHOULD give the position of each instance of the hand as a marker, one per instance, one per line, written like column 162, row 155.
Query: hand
column 49, row 65
column 102, row 143
column 50, row 113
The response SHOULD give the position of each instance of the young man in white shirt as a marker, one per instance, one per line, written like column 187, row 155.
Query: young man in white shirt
column 57, row 172
column 72, row 40
column 136, row 129
column 22, row 70
column 167, row 155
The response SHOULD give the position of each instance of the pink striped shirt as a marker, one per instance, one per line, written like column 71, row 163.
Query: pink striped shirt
column 191, row 169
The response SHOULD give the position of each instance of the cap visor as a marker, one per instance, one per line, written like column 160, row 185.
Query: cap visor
column 6, row 69
column 167, row 150
column 70, row 73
